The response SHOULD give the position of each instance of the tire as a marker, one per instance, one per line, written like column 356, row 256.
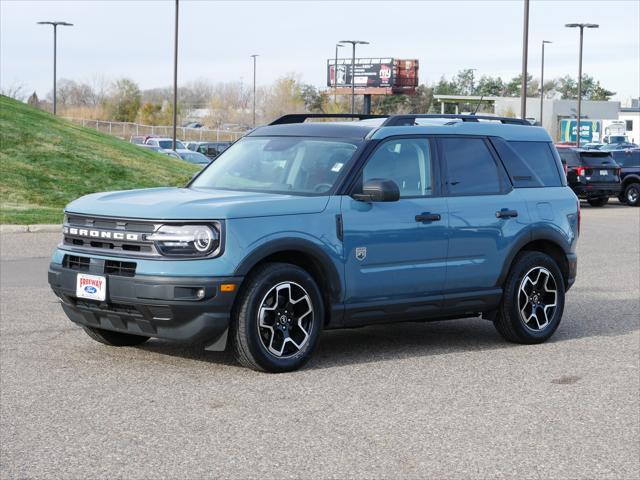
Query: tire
column 509, row 321
column 115, row 339
column 598, row 201
column 632, row 194
column 278, row 318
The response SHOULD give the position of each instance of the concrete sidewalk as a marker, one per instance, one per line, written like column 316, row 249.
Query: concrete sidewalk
column 42, row 228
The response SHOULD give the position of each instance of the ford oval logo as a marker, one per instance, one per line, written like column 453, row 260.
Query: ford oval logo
column 90, row 289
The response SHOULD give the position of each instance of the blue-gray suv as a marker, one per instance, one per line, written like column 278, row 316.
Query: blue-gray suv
column 302, row 226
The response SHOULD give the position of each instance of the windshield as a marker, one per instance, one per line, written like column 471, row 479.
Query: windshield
column 194, row 157
column 294, row 165
column 168, row 144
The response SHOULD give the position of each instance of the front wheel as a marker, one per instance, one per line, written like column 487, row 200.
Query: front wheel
column 533, row 299
column 598, row 201
column 278, row 319
column 632, row 194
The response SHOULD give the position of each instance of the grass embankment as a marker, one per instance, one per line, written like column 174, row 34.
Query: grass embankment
column 45, row 162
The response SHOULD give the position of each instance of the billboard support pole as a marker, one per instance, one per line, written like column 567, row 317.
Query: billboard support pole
column 367, row 105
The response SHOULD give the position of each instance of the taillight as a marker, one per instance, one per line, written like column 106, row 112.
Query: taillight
column 617, row 172
column 579, row 171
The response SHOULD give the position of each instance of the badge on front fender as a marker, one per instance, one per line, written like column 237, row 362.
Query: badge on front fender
column 361, row 253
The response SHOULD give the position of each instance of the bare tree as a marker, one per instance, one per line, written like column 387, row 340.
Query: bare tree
column 16, row 90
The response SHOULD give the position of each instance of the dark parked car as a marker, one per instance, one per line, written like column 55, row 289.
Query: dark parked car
column 210, row 149
column 629, row 161
column 593, row 175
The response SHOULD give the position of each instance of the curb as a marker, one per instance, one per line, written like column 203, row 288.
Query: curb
column 30, row 228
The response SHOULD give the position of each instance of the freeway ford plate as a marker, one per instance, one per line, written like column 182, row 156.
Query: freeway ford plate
column 92, row 287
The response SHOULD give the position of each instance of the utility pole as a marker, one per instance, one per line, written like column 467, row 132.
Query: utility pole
column 353, row 70
column 55, row 54
column 175, row 77
column 254, row 56
column 525, row 52
column 581, row 26
column 542, row 80
column 335, row 75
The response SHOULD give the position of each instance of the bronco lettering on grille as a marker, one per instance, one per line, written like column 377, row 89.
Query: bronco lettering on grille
column 103, row 234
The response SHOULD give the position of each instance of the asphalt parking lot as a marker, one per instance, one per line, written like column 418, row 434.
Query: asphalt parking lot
column 440, row 400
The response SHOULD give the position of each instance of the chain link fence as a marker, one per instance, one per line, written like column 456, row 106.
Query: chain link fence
column 126, row 130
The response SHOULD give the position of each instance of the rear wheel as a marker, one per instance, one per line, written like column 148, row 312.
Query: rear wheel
column 632, row 194
column 598, row 201
column 114, row 339
column 278, row 320
column 533, row 299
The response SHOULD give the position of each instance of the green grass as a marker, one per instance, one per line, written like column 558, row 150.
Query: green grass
column 46, row 162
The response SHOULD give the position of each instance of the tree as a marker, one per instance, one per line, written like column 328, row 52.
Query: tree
column 314, row 100
column 124, row 101
column 591, row 89
column 15, row 90
column 33, row 100
column 490, row 86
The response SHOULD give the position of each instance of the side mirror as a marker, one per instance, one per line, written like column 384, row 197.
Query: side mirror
column 378, row 190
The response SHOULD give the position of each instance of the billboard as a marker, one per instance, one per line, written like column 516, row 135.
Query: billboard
column 589, row 130
column 368, row 72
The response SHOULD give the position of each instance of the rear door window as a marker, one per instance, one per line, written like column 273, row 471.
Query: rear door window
column 470, row 167
column 539, row 157
column 570, row 157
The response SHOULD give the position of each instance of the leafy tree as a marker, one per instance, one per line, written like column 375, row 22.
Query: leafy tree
column 124, row 101
column 490, row 86
column 591, row 89
column 314, row 100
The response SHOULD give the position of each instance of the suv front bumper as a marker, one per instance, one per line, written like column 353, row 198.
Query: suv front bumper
column 154, row 306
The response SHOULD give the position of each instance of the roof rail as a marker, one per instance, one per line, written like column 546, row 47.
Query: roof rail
column 301, row 117
column 410, row 119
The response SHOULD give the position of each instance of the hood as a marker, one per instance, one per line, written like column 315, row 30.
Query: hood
column 194, row 204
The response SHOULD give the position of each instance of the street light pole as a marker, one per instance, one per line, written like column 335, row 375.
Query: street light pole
column 353, row 70
column 542, row 80
column 55, row 49
column 175, row 78
column 581, row 26
column 525, row 52
column 335, row 75
column 254, row 56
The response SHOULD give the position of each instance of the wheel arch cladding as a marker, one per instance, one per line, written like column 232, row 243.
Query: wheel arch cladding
column 544, row 244
column 305, row 255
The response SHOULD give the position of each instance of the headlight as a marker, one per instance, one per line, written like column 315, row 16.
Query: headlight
column 187, row 240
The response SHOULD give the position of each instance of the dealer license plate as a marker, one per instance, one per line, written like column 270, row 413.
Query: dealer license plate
column 92, row 287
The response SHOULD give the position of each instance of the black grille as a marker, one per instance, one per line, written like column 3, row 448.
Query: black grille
column 108, row 267
column 106, row 234
column 74, row 262
column 122, row 269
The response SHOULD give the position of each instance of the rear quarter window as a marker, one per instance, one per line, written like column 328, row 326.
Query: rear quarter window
column 540, row 158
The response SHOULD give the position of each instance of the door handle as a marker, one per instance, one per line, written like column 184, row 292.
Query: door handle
column 506, row 213
column 428, row 217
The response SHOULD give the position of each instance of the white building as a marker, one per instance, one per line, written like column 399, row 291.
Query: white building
column 554, row 111
column 631, row 117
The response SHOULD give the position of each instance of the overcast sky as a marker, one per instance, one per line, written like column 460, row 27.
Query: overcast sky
column 135, row 39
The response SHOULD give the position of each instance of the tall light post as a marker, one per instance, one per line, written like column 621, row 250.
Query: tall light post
column 581, row 26
column 353, row 70
column 525, row 52
column 254, row 56
column 542, row 80
column 55, row 47
column 335, row 75
column 175, row 77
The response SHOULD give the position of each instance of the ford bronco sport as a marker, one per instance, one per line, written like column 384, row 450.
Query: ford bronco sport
column 304, row 226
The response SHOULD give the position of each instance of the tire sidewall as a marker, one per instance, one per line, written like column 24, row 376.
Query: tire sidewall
column 261, row 285
column 527, row 262
column 636, row 187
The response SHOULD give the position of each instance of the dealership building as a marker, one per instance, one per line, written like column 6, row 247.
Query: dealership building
column 554, row 111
